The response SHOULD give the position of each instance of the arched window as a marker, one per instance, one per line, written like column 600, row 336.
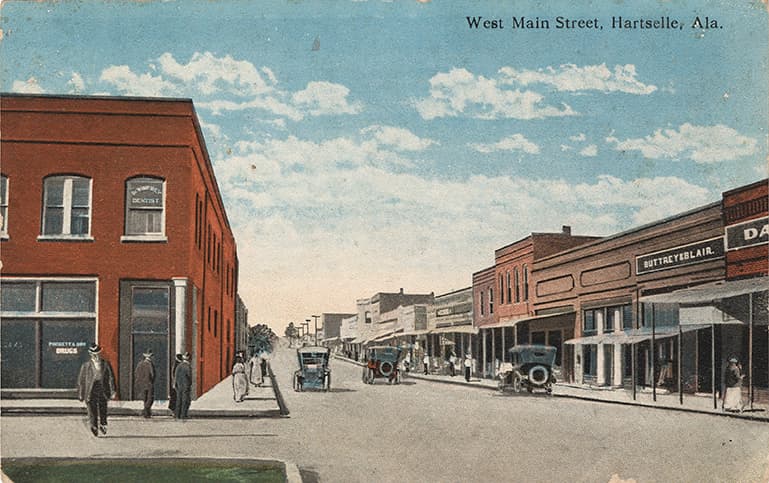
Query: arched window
column 145, row 208
column 66, row 206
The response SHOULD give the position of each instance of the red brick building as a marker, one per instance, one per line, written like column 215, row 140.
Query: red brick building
column 114, row 231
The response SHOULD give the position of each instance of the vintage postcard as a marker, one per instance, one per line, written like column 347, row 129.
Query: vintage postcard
column 377, row 240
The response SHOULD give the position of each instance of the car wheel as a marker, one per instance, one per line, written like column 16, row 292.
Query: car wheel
column 539, row 375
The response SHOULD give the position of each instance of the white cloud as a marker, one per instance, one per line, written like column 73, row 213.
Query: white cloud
column 321, row 98
column 222, row 84
column 573, row 78
column 579, row 137
column 702, row 144
column 399, row 138
column 460, row 92
column 122, row 78
column 76, row 83
column 511, row 143
column 590, row 151
column 29, row 86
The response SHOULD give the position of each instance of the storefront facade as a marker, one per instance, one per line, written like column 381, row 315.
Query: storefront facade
column 114, row 232
column 602, row 283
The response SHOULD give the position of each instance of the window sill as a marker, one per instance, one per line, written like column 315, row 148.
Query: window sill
column 65, row 238
column 4, row 236
column 143, row 239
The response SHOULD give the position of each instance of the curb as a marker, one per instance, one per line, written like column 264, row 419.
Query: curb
column 193, row 413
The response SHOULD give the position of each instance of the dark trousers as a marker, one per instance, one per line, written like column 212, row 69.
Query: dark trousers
column 182, row 405
column 97, row 410
column 452, row 369
column 148, row 396
column 467, row 374
column 172, row 401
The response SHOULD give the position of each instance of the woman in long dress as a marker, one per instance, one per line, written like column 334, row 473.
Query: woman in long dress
column 255, row 375
column 239, row 380
column 733, row 382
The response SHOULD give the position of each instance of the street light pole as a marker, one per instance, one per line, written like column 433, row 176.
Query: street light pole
column 316, row 327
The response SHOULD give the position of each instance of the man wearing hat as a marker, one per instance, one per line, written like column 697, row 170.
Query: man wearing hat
column 144, row 382
column 183, row 386
column 95, row 386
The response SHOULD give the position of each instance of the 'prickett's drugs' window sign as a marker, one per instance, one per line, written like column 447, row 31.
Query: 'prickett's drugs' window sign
column 748, row 234
column 146, row 195
column 679, row 256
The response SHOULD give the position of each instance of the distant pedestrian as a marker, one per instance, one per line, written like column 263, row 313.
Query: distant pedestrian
column 172, row 394
column 468, row 366
column 144, row 382
column 452, row 364
column 733, row 381
column 255, row 375
column 264, row 356
column 239, row 380
column 183, row 386
column 95, row 386
column 426, row 362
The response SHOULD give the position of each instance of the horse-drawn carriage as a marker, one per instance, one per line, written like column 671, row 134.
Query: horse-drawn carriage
column 530, row 367
column 313, row 372
column 382, row 363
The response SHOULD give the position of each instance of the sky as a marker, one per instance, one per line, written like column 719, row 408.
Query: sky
column 368, row 146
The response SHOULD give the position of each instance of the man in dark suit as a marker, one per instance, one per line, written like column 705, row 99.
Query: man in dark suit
column 183, row 386
column 144, row 382
column 172, row 395
column 95, row 386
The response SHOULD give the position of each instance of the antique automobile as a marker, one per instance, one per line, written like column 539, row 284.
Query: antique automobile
column 313, row 372
column 382, row 363
column 530, row 367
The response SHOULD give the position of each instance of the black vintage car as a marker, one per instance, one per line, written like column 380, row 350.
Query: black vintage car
column 382, row 363
column 530, row 367
column 313, row 372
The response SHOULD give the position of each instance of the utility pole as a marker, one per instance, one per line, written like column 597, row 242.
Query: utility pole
column 316, row 327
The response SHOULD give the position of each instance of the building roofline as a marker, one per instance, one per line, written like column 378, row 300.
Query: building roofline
column 746, row 187
column 454, row 291
column 631, row 230
column 98, row 97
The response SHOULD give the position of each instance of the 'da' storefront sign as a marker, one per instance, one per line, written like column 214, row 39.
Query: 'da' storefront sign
column 747, row 234
column 679, row 256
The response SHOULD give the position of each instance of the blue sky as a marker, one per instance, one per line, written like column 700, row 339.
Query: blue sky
column 408, row 147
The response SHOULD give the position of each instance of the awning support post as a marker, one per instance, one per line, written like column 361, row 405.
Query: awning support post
column 680, row 384
column 654, row 360
column 713, row 363
column 750, row 349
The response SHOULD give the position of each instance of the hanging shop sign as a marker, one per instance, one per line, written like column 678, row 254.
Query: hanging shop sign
column 747, row 234
column 698, row 252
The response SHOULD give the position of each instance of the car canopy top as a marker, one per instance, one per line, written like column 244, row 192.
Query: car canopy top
column 541, row 354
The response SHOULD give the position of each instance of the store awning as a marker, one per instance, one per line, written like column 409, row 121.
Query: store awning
column 416, row 332
column 710, row 292
column 331, row 339
column 359, row 340
column 512, row 322
column 636, row 335
column 457, row 329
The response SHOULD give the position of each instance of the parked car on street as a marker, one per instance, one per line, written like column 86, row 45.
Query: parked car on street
column 313, row 372
column 382, row 362
column 530, row 367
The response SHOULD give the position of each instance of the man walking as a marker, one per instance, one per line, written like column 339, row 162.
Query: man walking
column 95, row 386
column 183, row 386
column 468, row 366
column 144, row 382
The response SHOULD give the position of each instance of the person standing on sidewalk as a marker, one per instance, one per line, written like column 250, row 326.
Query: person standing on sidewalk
column 452, row 364
column 172, row 394
column 183, row 386
column 426, row 362
column 733, row 381
column 95, row 386
column 255, row 375
column 239, row 380
column 144, row 382
column 468, row 366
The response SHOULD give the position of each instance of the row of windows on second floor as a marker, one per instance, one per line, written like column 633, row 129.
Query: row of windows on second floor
column 67, row 211
column 513, row 288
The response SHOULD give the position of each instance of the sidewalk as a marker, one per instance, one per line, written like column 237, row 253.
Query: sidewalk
column 216, row 403
column 691, row 403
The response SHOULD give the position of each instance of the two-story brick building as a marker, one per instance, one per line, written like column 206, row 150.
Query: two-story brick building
column 113, row 231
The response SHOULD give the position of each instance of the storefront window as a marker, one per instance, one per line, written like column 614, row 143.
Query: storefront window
column 588, row 323
column 46, row 337
column 627, row 317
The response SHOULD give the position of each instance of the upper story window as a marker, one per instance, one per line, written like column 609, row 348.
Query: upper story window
column 3, row 206
column 482, row 303
column 145, row 209
column 517, row 286
column 589, row 322
column 509, row 289
column 525, row 283
column 491, row 300
column 501, row 289
column 66, row 207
